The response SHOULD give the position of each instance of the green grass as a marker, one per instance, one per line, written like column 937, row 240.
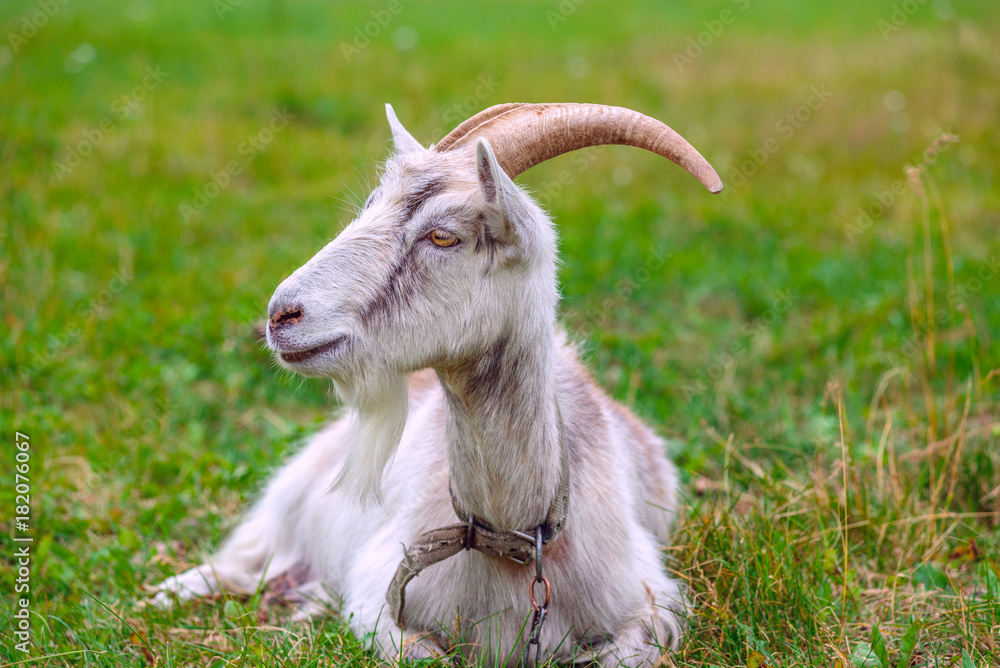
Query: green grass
column 841, row 456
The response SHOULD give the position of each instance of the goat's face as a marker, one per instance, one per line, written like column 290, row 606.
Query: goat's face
column 445, row 258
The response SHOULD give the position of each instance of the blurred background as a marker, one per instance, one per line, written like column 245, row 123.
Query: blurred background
column 819, row 342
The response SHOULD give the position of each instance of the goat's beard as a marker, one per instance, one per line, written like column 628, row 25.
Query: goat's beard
column 380, row 406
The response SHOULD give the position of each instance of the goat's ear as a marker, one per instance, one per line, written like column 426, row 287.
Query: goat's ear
column 493, row 182
column 401, row 139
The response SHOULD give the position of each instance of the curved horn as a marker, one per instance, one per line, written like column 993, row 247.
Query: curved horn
column 524, row 135
column 470, row 123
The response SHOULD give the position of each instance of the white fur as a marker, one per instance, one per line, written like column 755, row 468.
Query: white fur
column 480, row 317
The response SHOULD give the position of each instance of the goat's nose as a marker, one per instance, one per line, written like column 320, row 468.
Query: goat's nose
column 284, row 315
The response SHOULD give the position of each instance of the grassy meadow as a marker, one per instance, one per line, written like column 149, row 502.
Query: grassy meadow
column 820, row 342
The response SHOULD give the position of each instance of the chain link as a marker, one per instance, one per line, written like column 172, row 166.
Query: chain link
column 540, row 611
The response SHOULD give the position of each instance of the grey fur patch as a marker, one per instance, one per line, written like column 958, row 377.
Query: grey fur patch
column 493, row 375
column 400, row 286
column 371, row 198
column 487, row 182
column 419, row 197
column 484, row 239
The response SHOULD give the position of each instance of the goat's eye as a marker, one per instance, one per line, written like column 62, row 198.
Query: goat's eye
column 442, row 238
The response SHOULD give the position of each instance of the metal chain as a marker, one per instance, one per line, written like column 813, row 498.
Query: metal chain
column 540, row 611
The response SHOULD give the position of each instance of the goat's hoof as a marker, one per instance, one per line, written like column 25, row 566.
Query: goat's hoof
column 421, row 646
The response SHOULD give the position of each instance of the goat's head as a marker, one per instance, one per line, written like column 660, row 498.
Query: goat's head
column 447, row 256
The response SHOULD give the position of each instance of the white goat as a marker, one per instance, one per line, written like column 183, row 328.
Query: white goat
column 449, row 275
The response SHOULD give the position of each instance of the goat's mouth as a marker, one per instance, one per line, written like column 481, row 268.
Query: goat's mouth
column 299, row 356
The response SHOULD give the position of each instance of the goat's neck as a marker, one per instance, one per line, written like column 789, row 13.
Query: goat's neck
column 503, row 432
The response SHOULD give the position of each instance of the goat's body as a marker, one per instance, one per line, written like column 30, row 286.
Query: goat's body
column 606, row 568
column 451, row 266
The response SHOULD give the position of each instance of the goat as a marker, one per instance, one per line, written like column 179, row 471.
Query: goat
column 434, row 312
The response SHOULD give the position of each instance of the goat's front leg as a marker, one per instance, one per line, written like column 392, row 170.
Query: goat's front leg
column 394, row 644
column 365, row 604
column 640, row 641
column 273, row 538
column 192, row 583
column 633, row 645
column 369, row 613
column 245, row 563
